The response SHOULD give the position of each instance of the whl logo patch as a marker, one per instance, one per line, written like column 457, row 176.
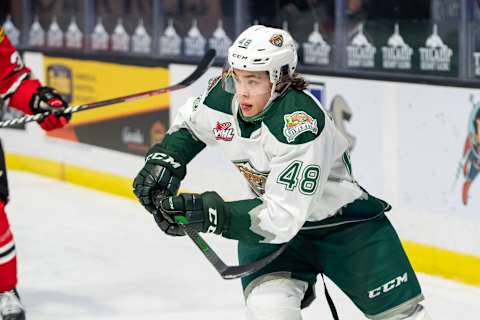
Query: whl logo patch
column 223, row 131
column 297, row 123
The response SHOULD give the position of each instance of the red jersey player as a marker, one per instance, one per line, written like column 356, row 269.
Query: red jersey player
column 18, row 89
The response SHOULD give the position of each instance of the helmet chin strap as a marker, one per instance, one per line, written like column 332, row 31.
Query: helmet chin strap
column 273, row 95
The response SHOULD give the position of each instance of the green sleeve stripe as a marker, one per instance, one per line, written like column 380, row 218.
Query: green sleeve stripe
column 218, row 99
column 238, row 226
column 182, row 143
column 347, row 162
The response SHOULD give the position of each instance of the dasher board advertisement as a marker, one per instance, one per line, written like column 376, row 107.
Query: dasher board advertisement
column 128, row 127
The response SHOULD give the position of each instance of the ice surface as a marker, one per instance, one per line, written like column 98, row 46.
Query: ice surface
column 89, row 255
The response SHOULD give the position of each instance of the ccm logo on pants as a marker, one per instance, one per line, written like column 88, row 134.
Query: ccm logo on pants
column 388, row 286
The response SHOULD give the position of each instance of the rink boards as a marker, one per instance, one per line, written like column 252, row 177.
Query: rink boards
column 408, row 144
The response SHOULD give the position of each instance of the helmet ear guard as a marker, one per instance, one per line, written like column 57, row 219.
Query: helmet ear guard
column 284, row 74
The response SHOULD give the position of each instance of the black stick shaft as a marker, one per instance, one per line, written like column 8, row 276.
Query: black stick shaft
column 202, row 67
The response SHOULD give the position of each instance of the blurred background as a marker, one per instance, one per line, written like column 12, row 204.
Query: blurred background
column 400, row 78
column 324, row 29
column 328, row 32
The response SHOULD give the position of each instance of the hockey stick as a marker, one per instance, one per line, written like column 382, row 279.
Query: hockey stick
column 202, row 67
column 226, row 271
column 230, row 272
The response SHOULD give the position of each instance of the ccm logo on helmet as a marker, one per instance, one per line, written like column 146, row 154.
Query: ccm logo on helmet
column 239, row 56
column 392, row 284
column 163, row 157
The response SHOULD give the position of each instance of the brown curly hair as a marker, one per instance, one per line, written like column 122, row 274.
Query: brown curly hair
column 295, row 81
column 298, row 82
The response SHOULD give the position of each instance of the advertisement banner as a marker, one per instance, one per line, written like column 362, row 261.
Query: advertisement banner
column 128, row 127
column 474, row 54
column 411, row 47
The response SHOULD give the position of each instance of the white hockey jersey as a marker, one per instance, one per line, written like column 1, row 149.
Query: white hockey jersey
column 294, row 158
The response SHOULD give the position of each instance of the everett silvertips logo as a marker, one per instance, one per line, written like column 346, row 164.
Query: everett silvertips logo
column 298, row 122
column 255, row 178
column 223, row 131
column 277, row 40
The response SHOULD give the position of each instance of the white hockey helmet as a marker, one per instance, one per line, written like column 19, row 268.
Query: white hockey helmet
column 261, row 48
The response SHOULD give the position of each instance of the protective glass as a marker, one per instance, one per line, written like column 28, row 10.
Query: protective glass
column 251, row 84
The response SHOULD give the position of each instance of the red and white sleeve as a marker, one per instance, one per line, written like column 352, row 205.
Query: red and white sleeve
column 16, row 85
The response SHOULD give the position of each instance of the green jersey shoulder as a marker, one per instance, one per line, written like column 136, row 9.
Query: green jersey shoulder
column 295, row 118
column 216, row 98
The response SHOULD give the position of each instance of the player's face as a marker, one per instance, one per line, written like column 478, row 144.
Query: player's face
column 253, row 89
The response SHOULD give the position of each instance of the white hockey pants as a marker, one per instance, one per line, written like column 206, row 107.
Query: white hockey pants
column 416, row 312
column 280, row 299
column 277, row 299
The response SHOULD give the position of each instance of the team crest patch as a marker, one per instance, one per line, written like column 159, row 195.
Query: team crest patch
column 277, row 40
column 2, row 34
column 297, row 123
column 255, row 178
column 223, row 131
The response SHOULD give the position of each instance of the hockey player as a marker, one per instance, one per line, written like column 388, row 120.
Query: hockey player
column 20, row 90
column 296, row 162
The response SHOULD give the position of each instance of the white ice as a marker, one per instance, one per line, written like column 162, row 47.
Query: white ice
column 84, row 254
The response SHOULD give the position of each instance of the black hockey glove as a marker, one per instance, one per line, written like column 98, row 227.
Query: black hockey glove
column 160, row 177
column 161, row 173
column 44, row 99
column 165, row 222
column 205, row 212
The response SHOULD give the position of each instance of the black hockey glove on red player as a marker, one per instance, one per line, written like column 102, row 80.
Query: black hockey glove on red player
column 44, row 99
column 205, row 212
column 160, row 177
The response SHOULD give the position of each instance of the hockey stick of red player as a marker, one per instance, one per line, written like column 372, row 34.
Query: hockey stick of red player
column 202, row 67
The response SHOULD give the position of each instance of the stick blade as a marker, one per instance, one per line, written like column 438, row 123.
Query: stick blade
column 235, row 272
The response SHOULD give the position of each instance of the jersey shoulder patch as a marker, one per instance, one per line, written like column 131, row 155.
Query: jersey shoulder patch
column 212, row 82
column 295, row 118
column 216, row 98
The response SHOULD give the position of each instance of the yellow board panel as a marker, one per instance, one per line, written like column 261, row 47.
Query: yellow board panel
column 101, row 181
column 441, row 262
column 87, row 81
